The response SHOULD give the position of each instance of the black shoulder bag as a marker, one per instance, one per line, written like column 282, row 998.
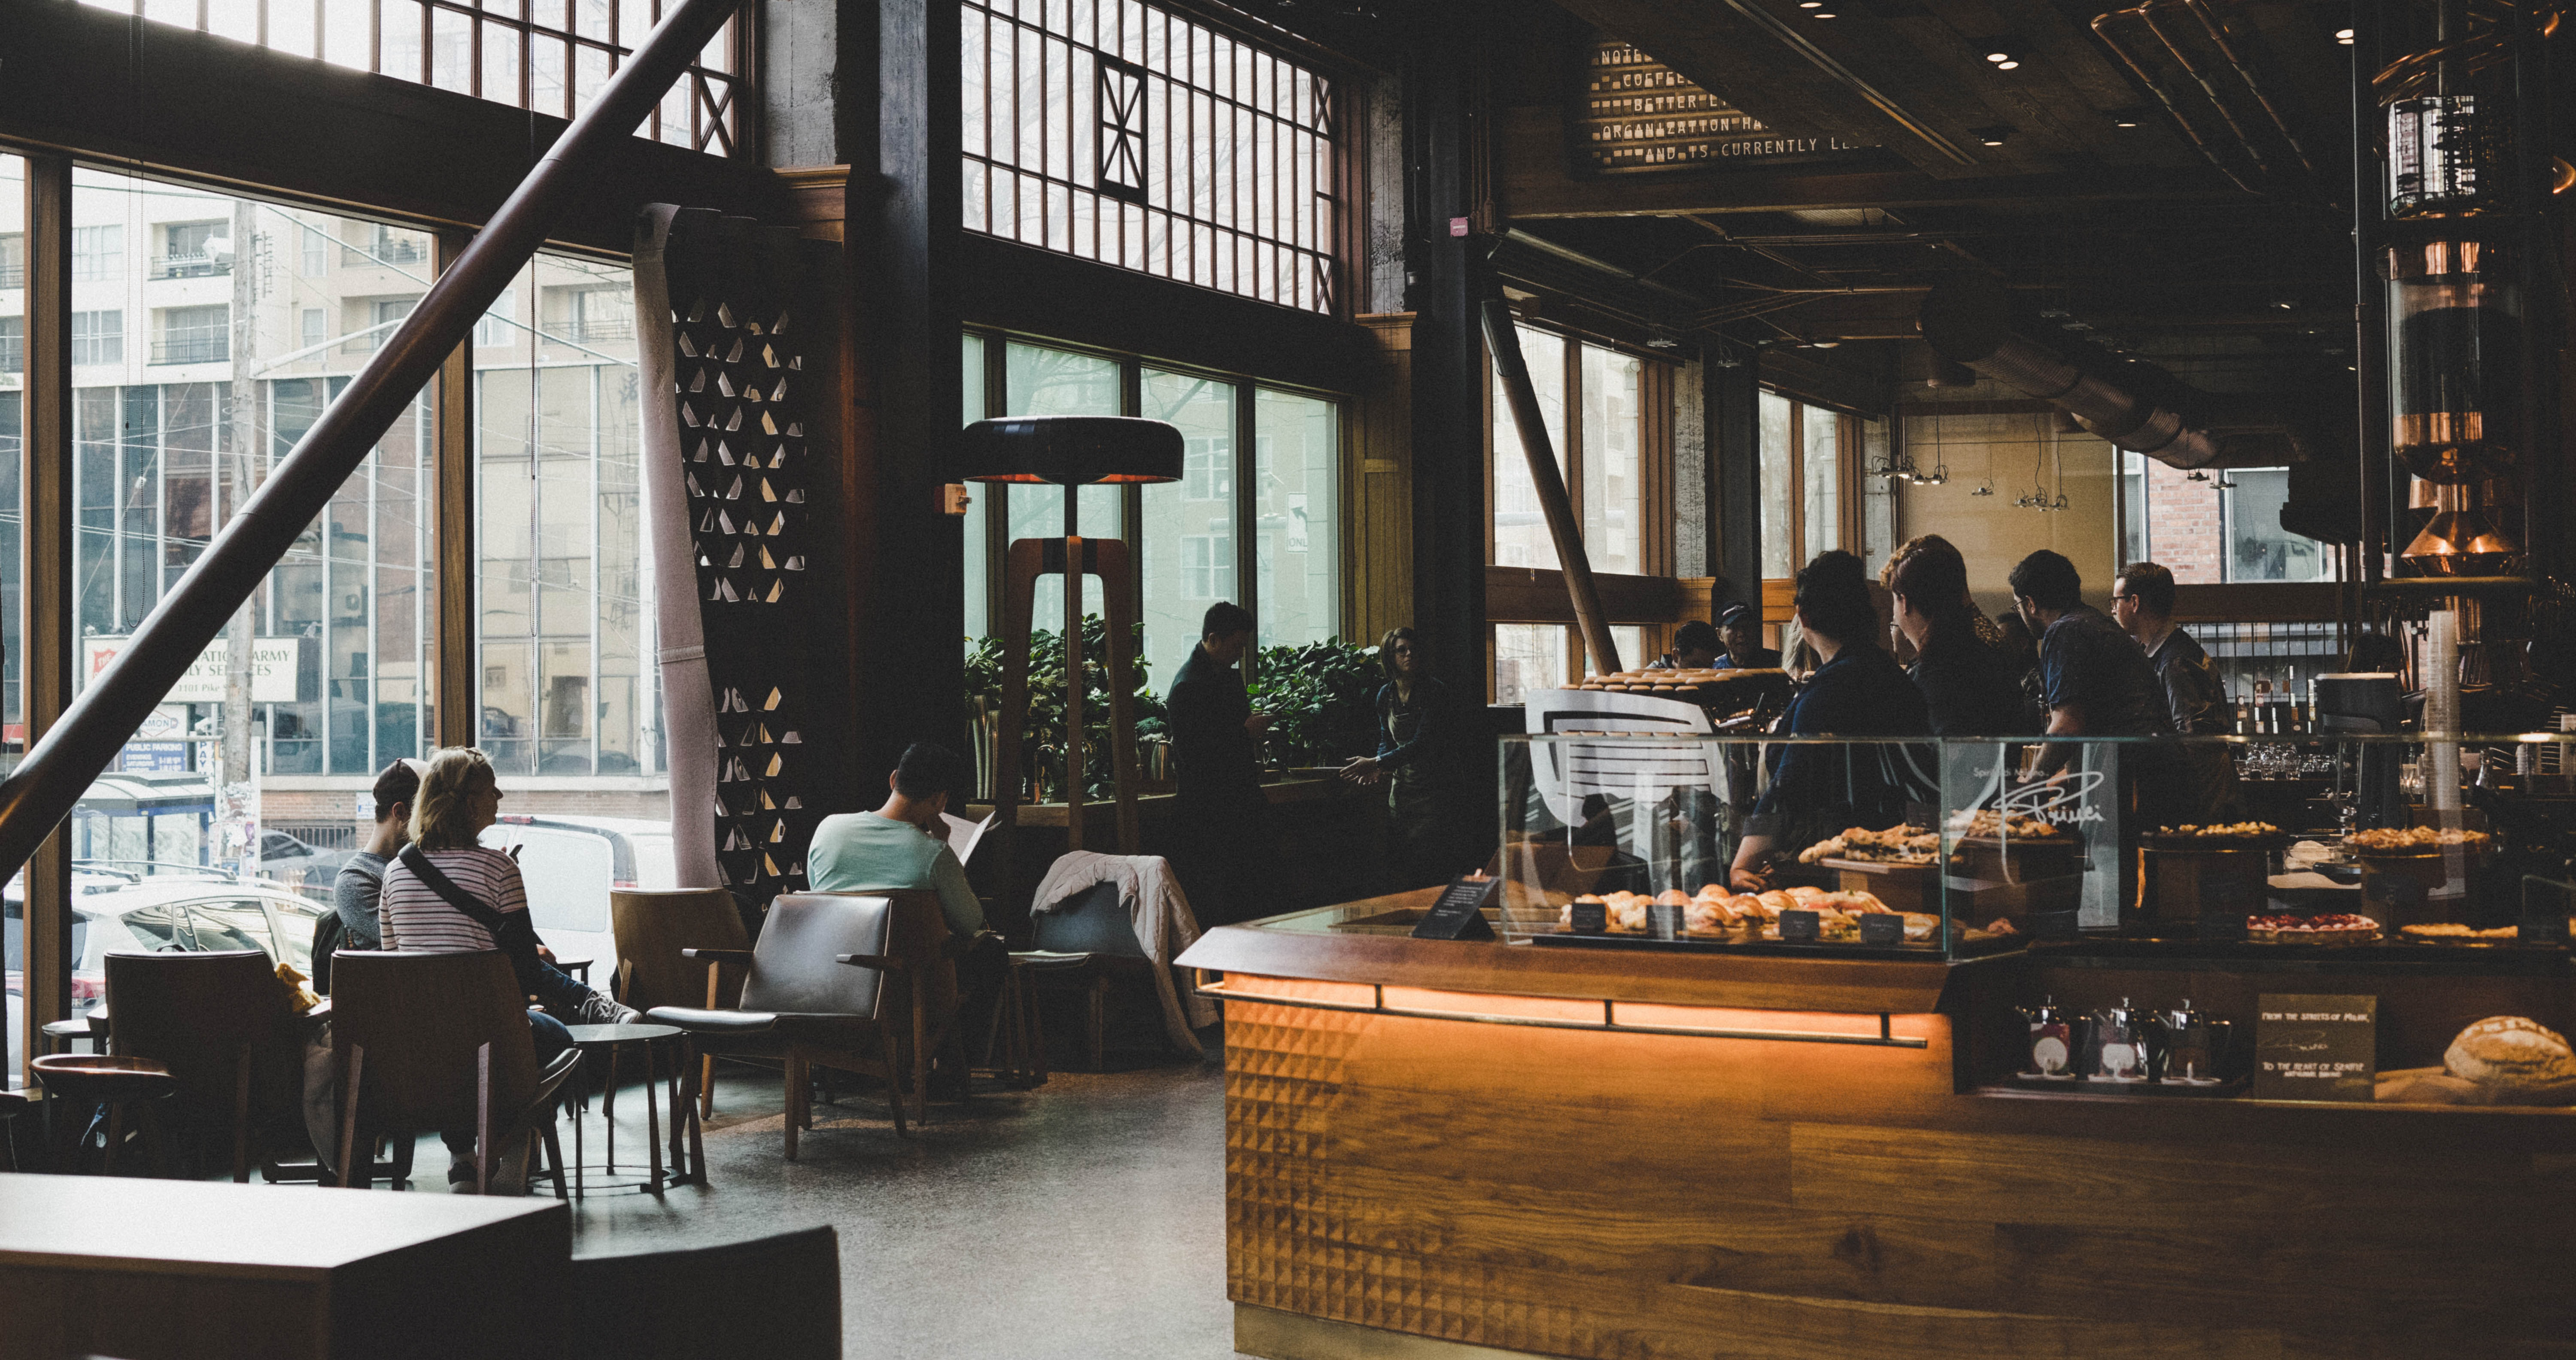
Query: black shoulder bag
column 474, row 908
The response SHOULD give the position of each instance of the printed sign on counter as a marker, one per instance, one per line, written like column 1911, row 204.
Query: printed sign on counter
column 2316, row 1047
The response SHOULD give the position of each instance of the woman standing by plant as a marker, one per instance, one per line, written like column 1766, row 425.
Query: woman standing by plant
column 1410, row 712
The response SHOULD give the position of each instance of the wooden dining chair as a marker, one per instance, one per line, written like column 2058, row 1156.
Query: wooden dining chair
column 426, row 1042
column 223, row 1025
column 653, row 927
column 878, row 1013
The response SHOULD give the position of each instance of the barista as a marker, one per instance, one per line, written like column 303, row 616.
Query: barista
column 1858, row 691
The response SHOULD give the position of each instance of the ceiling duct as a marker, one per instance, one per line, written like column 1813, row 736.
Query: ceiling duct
column 2134, row 405
column 2207, row 73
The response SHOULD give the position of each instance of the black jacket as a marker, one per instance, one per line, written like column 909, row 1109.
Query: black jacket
column 1213, row 758
column 1970, row 689
column 2193, row 694
column 1862, row 692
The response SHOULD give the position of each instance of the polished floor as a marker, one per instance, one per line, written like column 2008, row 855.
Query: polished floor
column 1085, row 1218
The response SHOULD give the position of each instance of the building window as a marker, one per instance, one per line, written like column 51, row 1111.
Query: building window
column 194, row 335
column 1253, row 456
column 98, row 338
column 313, row 328
column 13, row 348
column 527, row 56
column 1598, row 405
column 497, row 330
column 1128, row 135
column 2258, row 548
column 313, row 258
column 407, row 252
column 193, row 250
column 599, row 314
column 98, row 253
column 13, row 259
column 380, row 319
column 1807, row 457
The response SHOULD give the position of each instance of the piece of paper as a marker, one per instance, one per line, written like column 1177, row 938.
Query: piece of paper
column 963, row 834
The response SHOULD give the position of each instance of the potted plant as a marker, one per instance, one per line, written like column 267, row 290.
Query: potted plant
column 1043, row 737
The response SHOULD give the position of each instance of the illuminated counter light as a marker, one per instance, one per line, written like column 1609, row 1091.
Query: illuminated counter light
column 1882, row 1030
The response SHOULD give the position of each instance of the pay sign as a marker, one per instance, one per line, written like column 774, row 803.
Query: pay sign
column 273, row 668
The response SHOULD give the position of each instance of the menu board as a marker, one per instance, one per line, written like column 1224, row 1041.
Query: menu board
column 2316, row 1047
column 1638, row 115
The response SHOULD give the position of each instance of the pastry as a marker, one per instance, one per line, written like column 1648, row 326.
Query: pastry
column 2383, row 840
column 2453, row 931
column 1988, row 824
column 2336, row 928
column 2523, row 1061
column 1805, row 895
column 2227, row 831
column 1775, row 902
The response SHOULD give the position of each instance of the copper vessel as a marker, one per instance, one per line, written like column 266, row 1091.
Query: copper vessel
column 2460, row 541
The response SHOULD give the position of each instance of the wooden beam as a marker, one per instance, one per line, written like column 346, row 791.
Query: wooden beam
column 456, row 694
column 157, row 97
column 46, row 629
column 1538, row 595
column 1048, row 295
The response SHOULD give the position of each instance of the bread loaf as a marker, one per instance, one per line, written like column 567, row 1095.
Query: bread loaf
column 2524, row 1061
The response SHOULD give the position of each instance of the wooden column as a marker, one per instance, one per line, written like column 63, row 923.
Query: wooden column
column 456, row 694
column 1734, row 486
column 45, row 572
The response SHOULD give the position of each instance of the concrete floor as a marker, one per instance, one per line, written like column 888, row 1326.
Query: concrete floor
column 1083, row 1219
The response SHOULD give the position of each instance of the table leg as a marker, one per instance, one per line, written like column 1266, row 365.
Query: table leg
column 608, row 1107
column 581, row 1116
column 680, row 1169
column 652, row 1119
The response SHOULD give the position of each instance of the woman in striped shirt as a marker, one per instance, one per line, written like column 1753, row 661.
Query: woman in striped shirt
column 459, row 797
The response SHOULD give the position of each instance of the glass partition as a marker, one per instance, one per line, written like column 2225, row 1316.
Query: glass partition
column 1953, row 848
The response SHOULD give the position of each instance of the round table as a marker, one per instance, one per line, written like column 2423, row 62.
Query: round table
column 595, row 1038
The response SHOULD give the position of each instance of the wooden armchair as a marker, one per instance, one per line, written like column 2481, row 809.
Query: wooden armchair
column 804, row 1001
column 426, row 1042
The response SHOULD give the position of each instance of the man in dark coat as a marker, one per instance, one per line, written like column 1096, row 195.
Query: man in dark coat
column 1220, row 820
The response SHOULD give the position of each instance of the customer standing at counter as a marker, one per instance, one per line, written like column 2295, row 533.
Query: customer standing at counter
column 2094, row 680
column 1969, row 688
column 1857, row 691
column 1695, row 648
column 1220, row 820
column 1412, row 720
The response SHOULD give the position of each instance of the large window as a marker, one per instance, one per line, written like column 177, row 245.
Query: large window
column 1596, row 405
column 1118, row 132
column 13, row 719
column 1252, row 455
column 552, row 56
column 1810, row 455
column 2258, row 548
column 566, row 645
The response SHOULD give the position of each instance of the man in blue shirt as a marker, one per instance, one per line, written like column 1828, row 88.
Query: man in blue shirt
column 902, row 845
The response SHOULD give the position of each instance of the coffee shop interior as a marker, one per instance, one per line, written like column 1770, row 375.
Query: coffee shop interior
column 1287, row 678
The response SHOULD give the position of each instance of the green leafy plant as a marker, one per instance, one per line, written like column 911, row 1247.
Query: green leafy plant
column 1046, row 726
column 1321, row 698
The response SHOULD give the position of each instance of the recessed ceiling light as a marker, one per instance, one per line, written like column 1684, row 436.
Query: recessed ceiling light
column 1820, row 14
column 2286, row 304
column 1825, row 344
column 1991, row 136
column 2344, row 36
column 2007, row 66
column 1999, row 58
column 2124, row 122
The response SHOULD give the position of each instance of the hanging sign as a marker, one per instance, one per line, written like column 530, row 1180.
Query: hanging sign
column 274, row 667
column 1637, row 115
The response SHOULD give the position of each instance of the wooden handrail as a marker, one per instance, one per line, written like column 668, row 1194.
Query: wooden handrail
column 50, row 782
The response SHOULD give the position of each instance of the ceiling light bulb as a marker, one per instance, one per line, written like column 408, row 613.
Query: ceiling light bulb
column 1820, row 14
column 2343, row 35
column 2007, row 66
column 2124, row 122
column 1999, row 57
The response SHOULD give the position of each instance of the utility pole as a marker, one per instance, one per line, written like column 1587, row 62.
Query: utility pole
column 236, row 795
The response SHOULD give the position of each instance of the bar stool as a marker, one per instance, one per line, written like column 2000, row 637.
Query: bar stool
column 113, row 1082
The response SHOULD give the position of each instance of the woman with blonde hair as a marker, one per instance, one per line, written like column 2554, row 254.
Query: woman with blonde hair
column 447, row 894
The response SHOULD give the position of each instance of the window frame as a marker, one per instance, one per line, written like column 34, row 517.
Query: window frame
column 992, row 500
column 48, row 600
column 1658, row 536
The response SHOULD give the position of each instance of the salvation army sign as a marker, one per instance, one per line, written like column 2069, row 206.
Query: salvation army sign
column 273, row 665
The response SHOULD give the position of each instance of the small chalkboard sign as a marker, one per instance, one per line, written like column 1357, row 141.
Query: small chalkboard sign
column 1459, row 913
column 2316, row 1047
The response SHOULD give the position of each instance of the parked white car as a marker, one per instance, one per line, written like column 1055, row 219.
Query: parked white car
column 570, row 864
column 192, row 913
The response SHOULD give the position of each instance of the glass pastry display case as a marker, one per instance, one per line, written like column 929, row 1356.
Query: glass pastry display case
column 1952, row 848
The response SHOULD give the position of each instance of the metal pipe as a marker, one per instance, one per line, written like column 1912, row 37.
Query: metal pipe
column 2147, row 13
column 2102, row 25
column 50, row 782
column 1571, row 560
column 2218, row 39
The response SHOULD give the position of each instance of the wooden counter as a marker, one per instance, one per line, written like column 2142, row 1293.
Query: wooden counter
column 1403, row 1182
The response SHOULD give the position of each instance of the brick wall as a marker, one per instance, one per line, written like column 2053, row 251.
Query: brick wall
column 2184, row 532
